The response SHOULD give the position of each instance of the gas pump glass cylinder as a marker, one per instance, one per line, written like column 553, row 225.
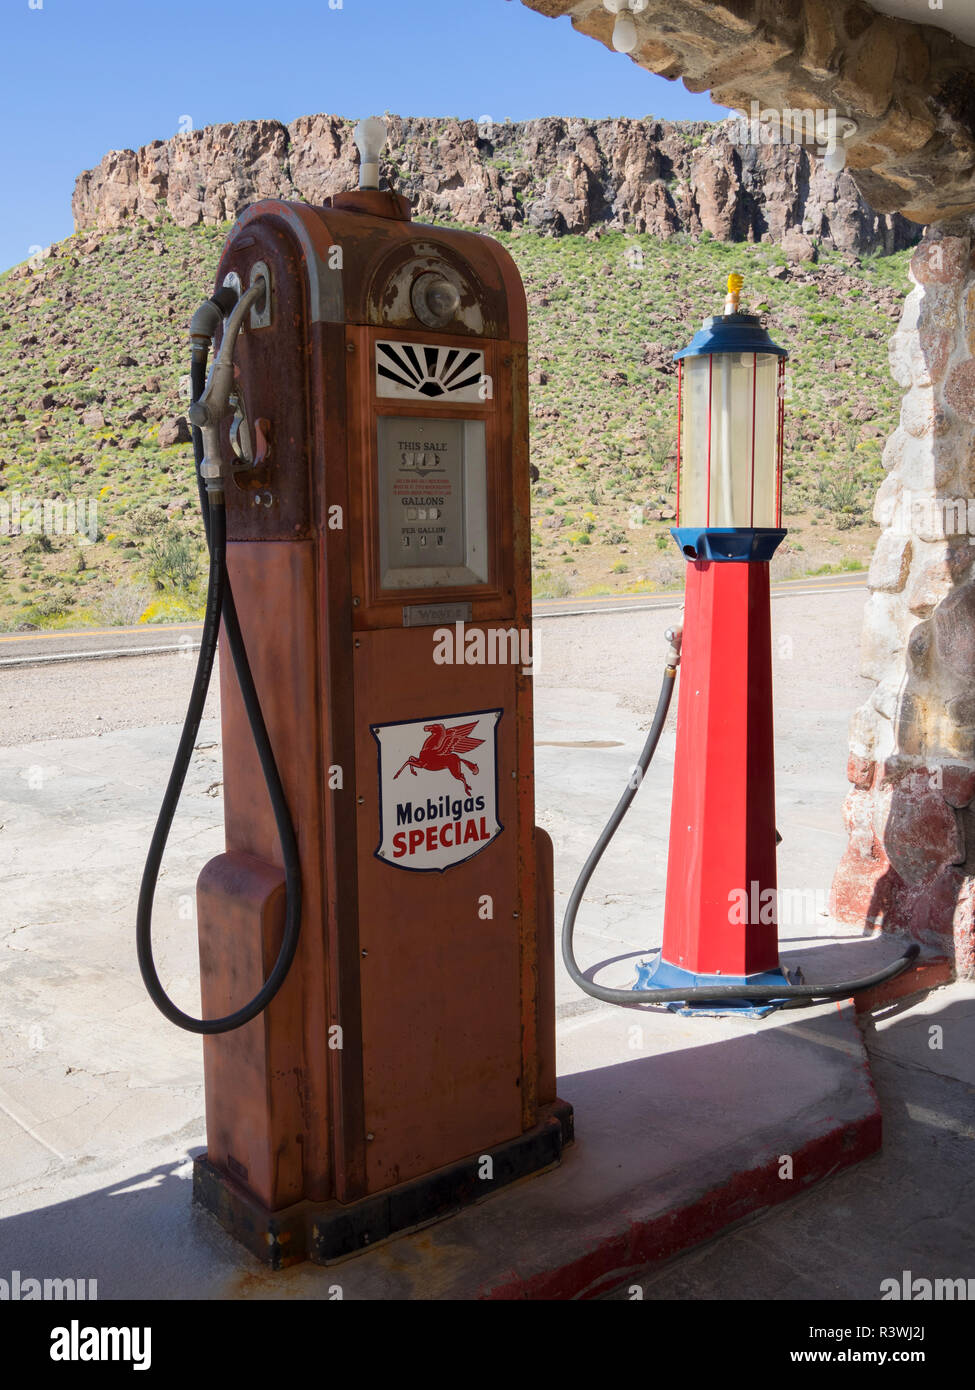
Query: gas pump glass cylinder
column 730, row 441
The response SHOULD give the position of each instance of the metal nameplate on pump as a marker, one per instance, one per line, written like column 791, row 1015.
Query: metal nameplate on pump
column 433, row 614
column 432, row 498
column 421, row 481
column 445, row 810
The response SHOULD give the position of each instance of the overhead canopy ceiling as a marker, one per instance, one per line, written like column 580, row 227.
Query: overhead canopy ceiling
column 957, row 16
column 908, row 86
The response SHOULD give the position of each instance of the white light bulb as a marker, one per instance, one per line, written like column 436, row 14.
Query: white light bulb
column 370, row 136
column 624, row 33
column 835, row 160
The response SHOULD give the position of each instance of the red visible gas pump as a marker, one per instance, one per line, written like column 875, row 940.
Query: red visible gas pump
column 720, row 946
column 376, row 943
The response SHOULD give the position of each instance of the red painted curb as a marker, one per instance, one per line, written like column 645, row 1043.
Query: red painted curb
column 647, row 1242
column 927, row 974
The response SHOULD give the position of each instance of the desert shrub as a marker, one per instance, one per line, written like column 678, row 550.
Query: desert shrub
column 172, row 558
column 144, row 519
column 123, row 604
column 552, row 586
column 841, row 492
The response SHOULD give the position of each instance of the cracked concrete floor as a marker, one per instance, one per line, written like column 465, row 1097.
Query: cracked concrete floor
column 82, row 1085
column 910, row 1207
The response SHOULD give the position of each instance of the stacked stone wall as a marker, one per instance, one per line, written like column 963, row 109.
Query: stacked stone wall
column 910, row 862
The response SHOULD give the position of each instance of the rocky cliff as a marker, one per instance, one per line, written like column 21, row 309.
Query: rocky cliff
column 556, row 175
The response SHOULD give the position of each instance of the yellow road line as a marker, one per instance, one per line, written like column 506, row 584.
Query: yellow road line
column 823, row 583
column 100, row 632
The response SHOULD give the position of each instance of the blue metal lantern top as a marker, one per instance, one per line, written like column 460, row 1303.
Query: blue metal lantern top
column 730, row 333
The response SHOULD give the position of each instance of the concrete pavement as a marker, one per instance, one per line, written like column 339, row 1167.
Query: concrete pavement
column 101, row 1100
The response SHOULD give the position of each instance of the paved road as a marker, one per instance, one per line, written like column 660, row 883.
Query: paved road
column 54, row 648
column 91, row 644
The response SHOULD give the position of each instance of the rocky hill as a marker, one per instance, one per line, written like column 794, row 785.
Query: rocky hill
column 556, row 175
column 93, row 357
column 624, row 232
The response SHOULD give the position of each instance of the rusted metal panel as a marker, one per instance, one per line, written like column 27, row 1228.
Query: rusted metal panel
column 273, row 501
column 545, row 919
column 356, row 289
column 268, row 580
column 252, row 1076
column 337, row 815
column 415, row 1029
column 441, row 1003
column 513, row 409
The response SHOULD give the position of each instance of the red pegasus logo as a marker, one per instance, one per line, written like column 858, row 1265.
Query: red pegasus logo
column 441, row 752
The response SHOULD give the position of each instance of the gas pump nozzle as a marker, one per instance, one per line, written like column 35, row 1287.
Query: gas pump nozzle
column 213, row 406
column 675, row 636
column 209, row 316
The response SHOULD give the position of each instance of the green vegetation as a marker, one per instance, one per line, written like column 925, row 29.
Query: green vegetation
column 605, row 317
column 844, row 567
column 93, row 363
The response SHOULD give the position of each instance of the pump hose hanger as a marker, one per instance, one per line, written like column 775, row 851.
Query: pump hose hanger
column 210, row 405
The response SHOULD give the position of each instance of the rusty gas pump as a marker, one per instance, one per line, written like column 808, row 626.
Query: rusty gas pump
column 376, row 942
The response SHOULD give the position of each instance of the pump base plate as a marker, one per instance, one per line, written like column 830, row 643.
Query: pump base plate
column 661, row 974
column 328, row 1231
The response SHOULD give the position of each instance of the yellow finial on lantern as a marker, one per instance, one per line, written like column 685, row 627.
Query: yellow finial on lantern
column 735, row 283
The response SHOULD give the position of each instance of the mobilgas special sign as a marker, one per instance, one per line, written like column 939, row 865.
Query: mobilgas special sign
column 438, row 789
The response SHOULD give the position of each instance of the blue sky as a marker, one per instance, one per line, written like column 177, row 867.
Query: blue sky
column 80, row 77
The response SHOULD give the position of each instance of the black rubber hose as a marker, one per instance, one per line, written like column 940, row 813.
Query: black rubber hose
column 792, row 996
column 220, row 603
column 198, row 381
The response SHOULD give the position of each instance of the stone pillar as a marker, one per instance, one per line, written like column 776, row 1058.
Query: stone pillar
column 910, row 862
